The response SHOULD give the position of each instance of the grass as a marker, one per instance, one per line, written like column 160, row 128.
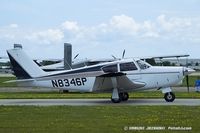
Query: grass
column 54, row 95
column 4, row 79
column 98, row 119
column 192, row 80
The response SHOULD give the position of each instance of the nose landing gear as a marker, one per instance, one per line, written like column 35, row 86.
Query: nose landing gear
column 169, row 97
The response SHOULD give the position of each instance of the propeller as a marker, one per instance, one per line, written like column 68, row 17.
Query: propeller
column 187, row 82
column 76, row 56
column 114, row 57
column 123, row 54
column 186, row 72
column 187, row 77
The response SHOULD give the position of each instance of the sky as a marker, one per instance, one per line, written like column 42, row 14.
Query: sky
column 101, row 28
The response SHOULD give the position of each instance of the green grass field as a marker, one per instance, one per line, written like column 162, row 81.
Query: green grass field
column 95, row 119
column 192, row 80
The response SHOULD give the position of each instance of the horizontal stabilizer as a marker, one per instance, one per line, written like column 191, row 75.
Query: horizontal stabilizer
column 21, row 80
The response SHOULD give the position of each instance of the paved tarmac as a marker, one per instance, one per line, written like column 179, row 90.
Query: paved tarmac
column 95, row 102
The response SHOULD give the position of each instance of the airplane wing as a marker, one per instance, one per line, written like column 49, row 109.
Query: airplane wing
column 19, row 80
column 73, row 73
column 104, row 84
column 165, row 56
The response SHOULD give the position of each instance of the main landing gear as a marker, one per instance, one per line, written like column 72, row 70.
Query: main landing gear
column 116, row 96
column 123, row 96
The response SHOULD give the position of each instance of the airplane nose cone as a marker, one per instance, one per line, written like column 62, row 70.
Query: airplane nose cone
column 187, row 71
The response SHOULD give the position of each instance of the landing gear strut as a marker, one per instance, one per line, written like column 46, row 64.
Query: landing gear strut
column 169, row 97
column 116, row 96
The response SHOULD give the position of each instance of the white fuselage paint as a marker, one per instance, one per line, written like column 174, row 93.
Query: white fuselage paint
column 153, row 77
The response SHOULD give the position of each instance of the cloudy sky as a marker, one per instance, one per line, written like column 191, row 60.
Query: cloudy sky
column 101, row 28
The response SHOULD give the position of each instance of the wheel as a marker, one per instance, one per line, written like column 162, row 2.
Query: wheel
column 124, row 96
column 116, row 100
column 169, row 97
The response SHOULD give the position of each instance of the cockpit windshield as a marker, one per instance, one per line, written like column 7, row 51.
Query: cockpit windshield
column 143, row 64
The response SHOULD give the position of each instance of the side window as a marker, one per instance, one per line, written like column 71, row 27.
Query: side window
column 110, row 69
column 128, row 66
column 142, row 64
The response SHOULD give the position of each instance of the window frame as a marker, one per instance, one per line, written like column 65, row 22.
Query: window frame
column 142, row 63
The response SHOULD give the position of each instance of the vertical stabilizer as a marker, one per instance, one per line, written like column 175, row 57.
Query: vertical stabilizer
column 67, row 56
column 23, row 66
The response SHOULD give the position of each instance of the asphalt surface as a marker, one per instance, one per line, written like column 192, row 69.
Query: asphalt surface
column 95, row 102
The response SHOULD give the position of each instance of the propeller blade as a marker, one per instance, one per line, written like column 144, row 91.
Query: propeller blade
column 123, row 53
column 187, row 82
column 76, row 56
column 114, row 57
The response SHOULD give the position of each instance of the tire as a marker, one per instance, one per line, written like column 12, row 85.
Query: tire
column 169, row 97
column 124, row 96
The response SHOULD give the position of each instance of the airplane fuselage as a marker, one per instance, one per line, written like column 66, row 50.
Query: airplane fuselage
column 153, row 77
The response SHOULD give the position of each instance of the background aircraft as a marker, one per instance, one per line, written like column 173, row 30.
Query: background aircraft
column 69, row 63
column 118, row 77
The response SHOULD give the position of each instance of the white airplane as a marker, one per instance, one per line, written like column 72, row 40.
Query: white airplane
column 118, row 77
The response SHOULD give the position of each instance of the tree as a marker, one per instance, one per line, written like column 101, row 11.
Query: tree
column 166, row 63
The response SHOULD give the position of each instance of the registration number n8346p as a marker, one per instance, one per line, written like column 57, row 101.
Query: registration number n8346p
column 68, row 82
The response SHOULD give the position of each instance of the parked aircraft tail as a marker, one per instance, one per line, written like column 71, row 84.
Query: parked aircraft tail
column 23, row 66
